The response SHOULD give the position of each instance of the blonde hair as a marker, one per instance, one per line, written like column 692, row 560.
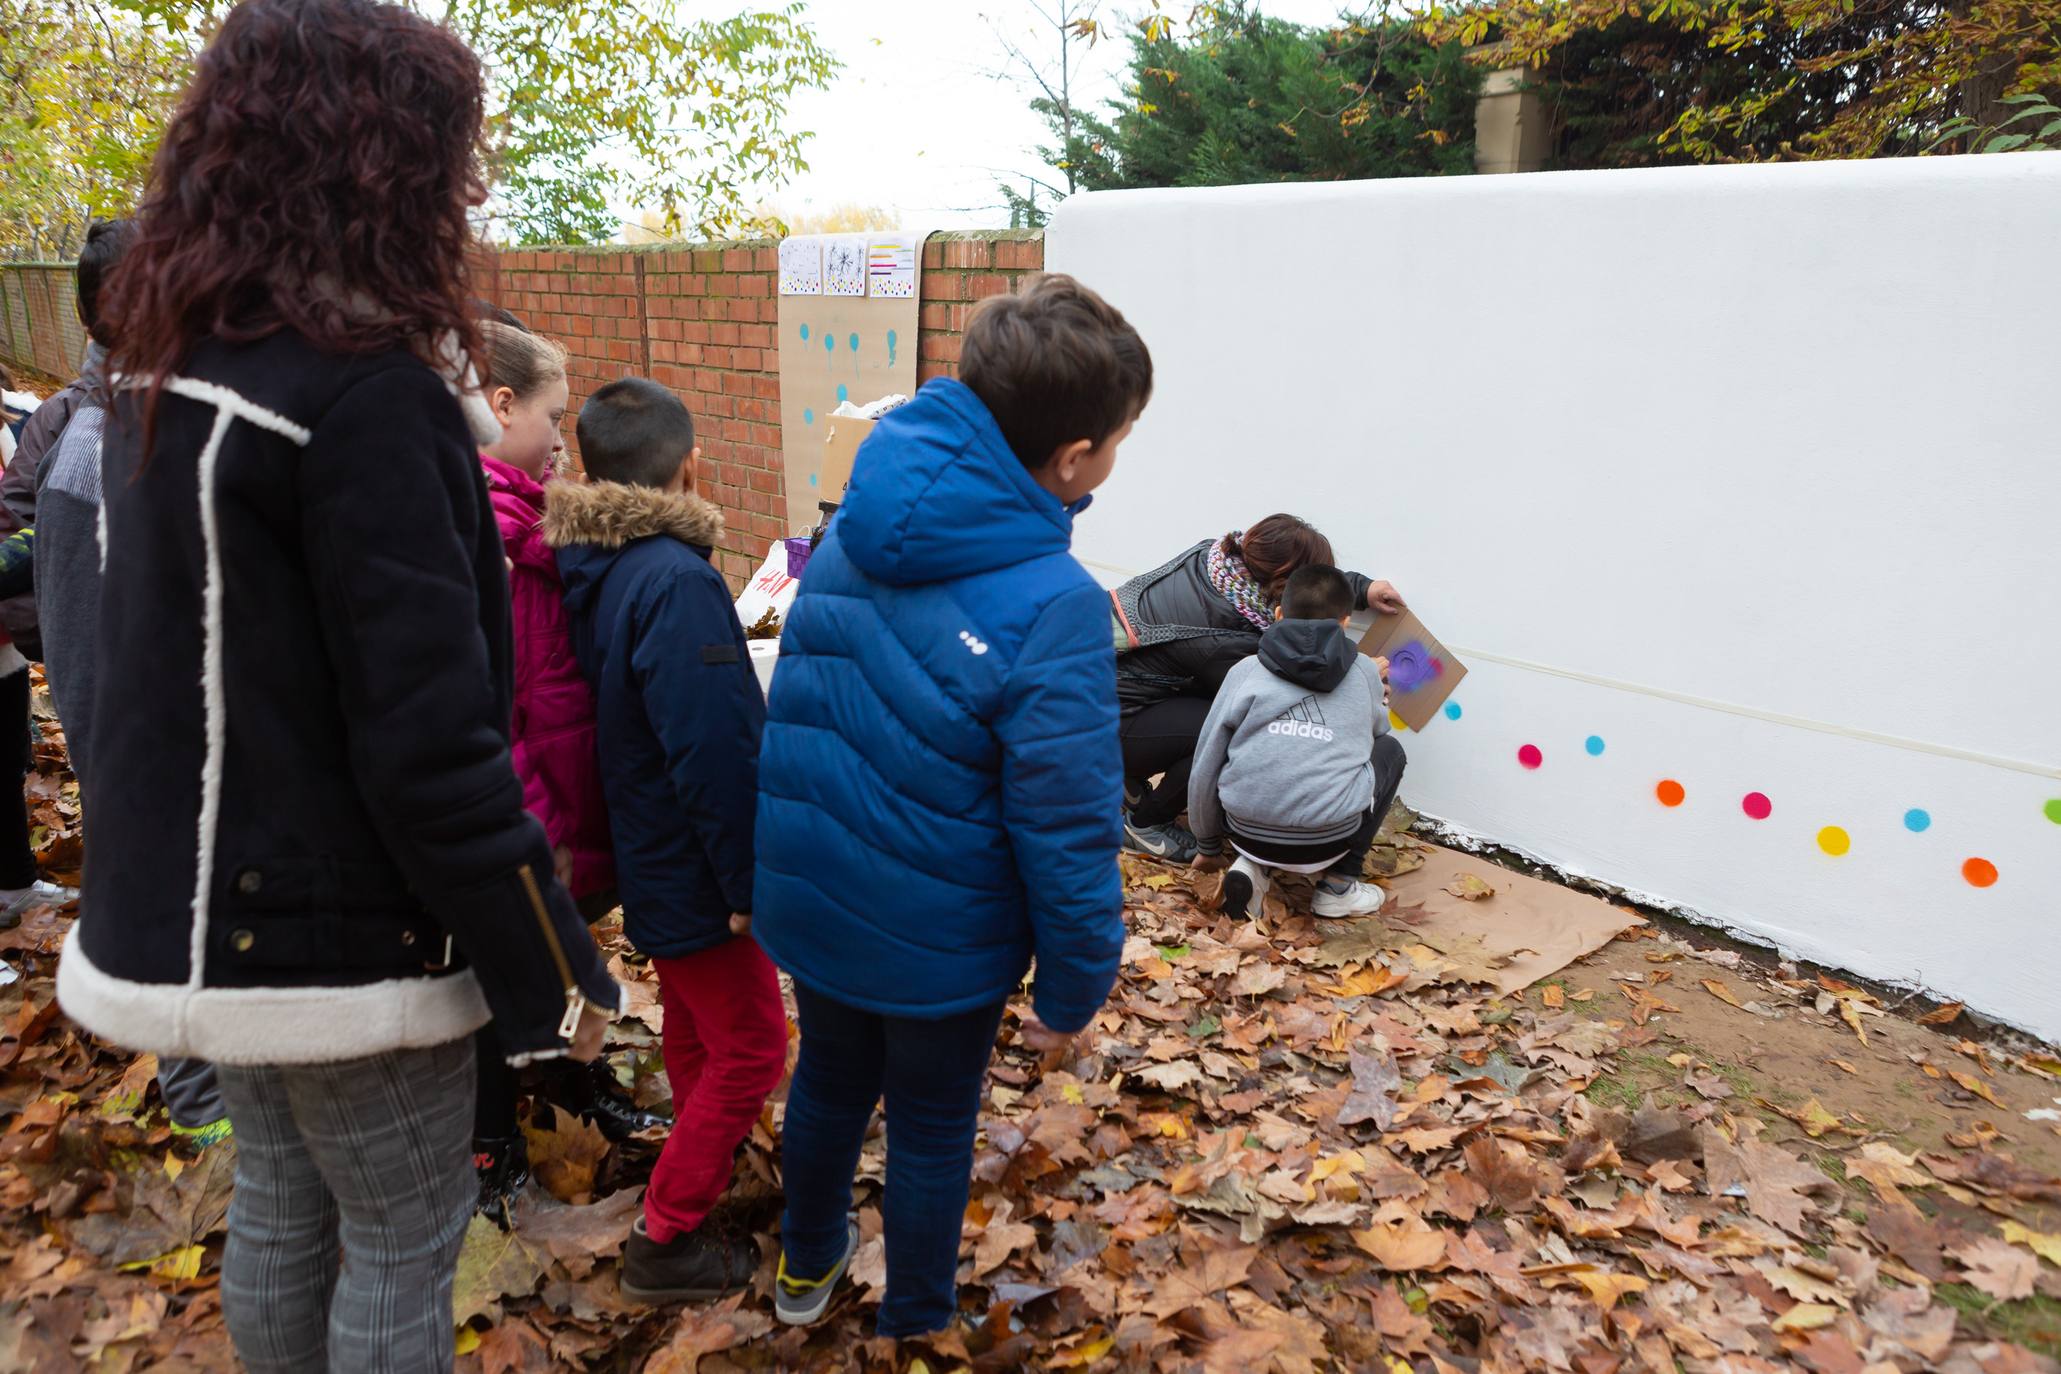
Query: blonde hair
column 520, row 360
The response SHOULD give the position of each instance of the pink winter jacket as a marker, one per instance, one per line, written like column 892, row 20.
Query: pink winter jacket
column 553, row 725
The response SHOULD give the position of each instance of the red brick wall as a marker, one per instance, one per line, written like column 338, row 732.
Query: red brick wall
column 39, row 318
column 699, row 318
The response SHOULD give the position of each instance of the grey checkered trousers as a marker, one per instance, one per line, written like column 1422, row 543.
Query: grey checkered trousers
column 354, row 1186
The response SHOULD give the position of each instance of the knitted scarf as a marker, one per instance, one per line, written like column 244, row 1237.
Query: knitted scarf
column 1228, row 574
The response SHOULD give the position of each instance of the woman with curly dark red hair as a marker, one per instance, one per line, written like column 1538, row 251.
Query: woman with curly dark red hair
column 311, row 862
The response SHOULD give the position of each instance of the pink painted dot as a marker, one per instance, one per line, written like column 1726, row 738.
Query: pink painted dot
column 1757, row 805
column 1530, row 756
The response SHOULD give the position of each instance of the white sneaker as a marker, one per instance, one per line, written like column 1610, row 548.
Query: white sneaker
column 18, row 902
column 1355, row 899
column 1245, row 888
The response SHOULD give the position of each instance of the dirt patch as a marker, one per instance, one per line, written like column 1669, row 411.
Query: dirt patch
column 1792, row 1054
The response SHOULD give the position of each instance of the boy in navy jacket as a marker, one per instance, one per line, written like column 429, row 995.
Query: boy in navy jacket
column 678, row 714
column 941, row 795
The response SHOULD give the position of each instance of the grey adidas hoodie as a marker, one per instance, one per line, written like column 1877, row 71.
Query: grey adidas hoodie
column 1287, row 752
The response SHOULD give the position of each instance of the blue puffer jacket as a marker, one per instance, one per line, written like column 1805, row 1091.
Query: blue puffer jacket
column 941, row 781
column 677, row 707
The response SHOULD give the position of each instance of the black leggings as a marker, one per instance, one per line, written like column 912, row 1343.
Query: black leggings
column 1389, row 760
column 17, row 864
column 1161, row 740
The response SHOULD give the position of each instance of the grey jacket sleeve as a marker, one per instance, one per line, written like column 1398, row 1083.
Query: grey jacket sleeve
column 1371, row 675
column 1212, row 748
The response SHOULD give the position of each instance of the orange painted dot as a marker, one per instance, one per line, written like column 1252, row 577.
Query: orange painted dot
column 1979, row 872
column 1670, row 792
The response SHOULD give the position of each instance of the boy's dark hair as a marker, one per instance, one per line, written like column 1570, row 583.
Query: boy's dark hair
column 106, row 241
column 1317, row 591
column 1054, row 364
column 635, row 432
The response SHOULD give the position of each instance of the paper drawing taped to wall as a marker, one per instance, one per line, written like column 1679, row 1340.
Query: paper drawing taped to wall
column 1422, row 673
column 844, row 267
column 801, row 267
column 891, row 265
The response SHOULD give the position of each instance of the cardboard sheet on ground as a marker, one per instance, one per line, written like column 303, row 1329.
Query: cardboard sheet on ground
column 1422, row 672
column 1543, row 926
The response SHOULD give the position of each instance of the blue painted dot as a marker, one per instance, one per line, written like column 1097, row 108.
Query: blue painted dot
column 854, row 342
column 813, row 479
column 1594, row 744
column 843, row 392
column 1452, row 710
column 1916, row 820
column 805, row 333
column 808, row 416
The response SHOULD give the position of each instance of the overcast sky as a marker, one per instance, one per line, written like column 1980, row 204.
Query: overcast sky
column 923, row 120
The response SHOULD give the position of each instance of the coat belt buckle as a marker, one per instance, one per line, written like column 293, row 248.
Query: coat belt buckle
column 446, row 962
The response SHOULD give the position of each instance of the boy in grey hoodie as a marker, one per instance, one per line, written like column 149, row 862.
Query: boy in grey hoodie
column 1296, row 765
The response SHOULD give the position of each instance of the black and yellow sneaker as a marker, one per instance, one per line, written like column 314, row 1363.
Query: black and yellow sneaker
column 802, row 1302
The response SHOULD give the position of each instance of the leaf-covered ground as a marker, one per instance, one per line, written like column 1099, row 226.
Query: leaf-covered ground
column 1282, row 1147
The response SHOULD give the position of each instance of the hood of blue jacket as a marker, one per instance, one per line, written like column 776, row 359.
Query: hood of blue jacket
column 937, row 494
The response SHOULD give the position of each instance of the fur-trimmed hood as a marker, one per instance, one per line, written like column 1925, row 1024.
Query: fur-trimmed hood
column 612, row 514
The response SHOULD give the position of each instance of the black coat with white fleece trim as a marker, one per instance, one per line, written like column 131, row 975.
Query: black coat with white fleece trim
column 300, row 774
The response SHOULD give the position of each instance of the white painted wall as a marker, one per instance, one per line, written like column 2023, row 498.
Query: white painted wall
column 1751, row 472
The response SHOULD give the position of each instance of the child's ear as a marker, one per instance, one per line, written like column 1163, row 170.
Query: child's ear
column 687, row 466
column 1066, row 459
column 501, row 400
column 1279, row 614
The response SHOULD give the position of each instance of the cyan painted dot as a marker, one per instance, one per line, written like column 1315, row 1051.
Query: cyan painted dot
column 1916, row 820
column 830, row 343
column 1452, row 710
column 843, row 391
column 808, row 416
column 890, row 348
column 805, row 333
column 854, row 342
column 813, row 479
column 1594, row 744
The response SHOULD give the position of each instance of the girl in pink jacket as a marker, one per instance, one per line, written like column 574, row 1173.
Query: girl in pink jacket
column 552, row 724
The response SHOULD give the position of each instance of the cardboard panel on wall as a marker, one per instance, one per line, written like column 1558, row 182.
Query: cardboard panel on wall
column 835, row 347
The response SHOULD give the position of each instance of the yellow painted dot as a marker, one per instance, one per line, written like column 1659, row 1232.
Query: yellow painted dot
column 1834, row 841
column 1397, row 721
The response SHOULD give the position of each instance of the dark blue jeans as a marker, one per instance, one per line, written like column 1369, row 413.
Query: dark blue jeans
column 931, row 1074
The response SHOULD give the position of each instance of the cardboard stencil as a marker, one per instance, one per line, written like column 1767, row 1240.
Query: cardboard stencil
column 835, row 349
column 1422, row 672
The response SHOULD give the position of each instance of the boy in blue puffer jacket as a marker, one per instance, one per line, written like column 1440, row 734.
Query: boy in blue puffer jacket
column 677, row 715
column 941, row 781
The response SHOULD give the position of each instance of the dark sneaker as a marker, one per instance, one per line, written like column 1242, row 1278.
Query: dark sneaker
column 590, row 1090
column 1245, row 888
column 802, row 1302
column 503, row 1165
column 1170, row 842
column 694, row 1266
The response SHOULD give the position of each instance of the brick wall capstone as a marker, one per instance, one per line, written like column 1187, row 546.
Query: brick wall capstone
column 698, row 318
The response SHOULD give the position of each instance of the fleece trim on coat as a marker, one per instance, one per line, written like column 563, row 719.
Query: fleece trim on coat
column 677, row 707
column 336, row 732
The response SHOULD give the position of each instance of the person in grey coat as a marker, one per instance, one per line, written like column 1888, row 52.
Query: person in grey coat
column 1295, row 766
